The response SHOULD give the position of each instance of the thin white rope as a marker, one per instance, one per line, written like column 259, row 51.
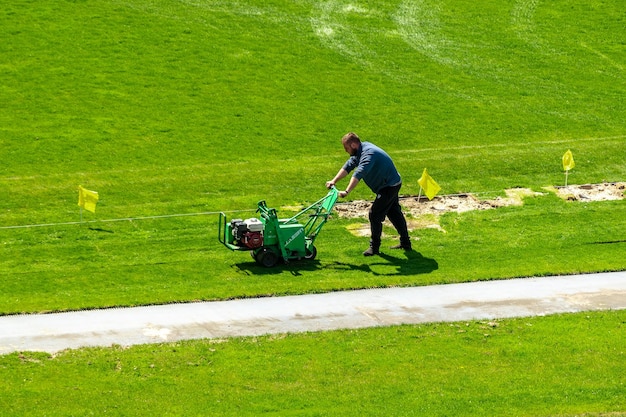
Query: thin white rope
column 126, row 219
column 208, row 213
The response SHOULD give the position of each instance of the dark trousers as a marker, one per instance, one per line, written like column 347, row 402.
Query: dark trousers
column 387, row 204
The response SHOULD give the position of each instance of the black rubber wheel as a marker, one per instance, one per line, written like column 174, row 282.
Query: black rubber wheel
column 266, row 257
column 311, row 253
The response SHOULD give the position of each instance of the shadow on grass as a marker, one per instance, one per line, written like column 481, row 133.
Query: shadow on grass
column 407, row 263
column 99, row 229
column 411, row 263
column 296, row 268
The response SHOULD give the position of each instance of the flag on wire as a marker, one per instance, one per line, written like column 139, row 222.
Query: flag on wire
column 428, row 184
column 568, row 161
column 87, row 199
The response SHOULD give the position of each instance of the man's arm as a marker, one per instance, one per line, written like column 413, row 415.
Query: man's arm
column 341, row 174
column 354, row 181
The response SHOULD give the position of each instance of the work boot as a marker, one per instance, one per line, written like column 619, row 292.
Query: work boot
column 371, row 252
column 403, row 245
column 373, row 249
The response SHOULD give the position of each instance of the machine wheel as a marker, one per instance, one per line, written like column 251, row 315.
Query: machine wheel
column 311, row 253
column 266, row 257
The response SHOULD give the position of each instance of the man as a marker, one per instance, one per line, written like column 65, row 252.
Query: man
column 372, row 165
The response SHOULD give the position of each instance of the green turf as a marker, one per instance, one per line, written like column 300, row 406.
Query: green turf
column 180, row 259
column 566, row 365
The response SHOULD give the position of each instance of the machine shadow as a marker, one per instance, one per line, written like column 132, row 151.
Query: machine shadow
column 296, row 268
column 406, row 263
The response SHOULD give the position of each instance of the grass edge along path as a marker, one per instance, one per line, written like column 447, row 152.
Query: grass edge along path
column 179, row 259
column 558, row 365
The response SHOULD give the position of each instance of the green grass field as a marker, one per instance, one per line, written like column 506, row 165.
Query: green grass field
column 176, row 110
column 569, row 365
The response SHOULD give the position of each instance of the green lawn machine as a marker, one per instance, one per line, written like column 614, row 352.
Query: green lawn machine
column 270, row 239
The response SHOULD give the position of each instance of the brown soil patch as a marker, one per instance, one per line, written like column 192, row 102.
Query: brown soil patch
column 458, row 203
column 591, row 192
column 423, row 213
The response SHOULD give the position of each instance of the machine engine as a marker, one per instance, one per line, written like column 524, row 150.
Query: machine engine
column 247, row 233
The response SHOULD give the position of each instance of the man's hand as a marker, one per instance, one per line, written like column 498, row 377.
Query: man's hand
column 342, row 194
column 330, row 184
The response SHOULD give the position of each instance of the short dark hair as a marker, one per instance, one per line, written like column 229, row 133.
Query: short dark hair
column 350, row 137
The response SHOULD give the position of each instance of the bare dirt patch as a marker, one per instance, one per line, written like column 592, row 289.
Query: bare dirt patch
column 423, row 213
column 458, row 203
column 591, row 192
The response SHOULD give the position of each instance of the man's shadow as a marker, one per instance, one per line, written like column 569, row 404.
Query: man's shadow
column 415, row 263
column 406, row 263
column 409, row 263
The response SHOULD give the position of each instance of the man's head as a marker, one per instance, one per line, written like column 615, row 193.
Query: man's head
column 351, row 143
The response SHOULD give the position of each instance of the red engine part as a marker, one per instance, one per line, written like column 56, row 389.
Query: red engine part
column 252, row 240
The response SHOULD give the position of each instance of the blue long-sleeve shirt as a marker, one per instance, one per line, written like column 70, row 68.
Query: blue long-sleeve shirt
column 372, row 165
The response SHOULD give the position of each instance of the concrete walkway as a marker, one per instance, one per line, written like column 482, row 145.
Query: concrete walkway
column 338, row 310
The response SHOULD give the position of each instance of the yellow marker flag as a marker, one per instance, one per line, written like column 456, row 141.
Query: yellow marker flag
column 87, row 199
column 568, row 161
column 428, row 184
